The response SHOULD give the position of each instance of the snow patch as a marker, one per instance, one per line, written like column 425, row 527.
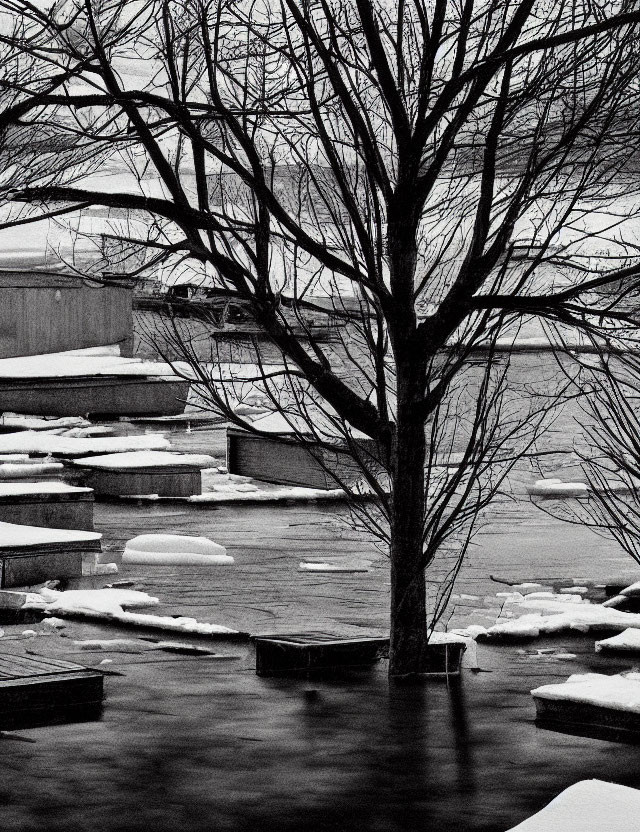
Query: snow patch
column 146, row 459
column 580, row 617
column 73, row 364
column 626, row 641
column 34, row 442
column 16, row 489
column 310, row 566
column 111, row 605
column 10, row 471
column 13, row 535
column 587, row 806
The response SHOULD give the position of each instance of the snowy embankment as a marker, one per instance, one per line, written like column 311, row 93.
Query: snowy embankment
column 112, row 605
column 587, row 806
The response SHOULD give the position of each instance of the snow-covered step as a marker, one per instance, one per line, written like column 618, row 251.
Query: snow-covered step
column 32, row 554
column 587, row 806
column 592, row 700
column 76, row 383
column 38, row 442
column 51, row 504
column 163, row 473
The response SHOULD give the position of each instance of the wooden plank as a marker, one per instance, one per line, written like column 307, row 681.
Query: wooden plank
column 283, row 655
column 43, row 313
column 42, row 700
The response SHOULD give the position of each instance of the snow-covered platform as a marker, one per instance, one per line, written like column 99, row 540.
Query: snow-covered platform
column 50, row 504
column 137, row 473
column 83, row 382
column 35, row 690
column 32, row 554
column 593, row 700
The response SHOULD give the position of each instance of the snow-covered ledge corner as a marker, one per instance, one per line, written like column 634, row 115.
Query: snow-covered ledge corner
column 587, row 806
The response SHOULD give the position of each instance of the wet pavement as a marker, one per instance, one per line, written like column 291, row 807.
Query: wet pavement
column 201, row 743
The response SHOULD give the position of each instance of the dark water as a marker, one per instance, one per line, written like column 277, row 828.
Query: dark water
column 206, row 745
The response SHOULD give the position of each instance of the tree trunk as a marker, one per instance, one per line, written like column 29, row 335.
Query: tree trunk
column 408, row 596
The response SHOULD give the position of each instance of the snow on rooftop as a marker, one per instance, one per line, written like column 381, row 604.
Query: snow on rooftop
column 37, row 442
column 146, row 459
column 13, row 535
column 587, row 806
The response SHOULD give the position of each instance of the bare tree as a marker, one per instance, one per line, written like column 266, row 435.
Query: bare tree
column 608, row 446
column 443, row 171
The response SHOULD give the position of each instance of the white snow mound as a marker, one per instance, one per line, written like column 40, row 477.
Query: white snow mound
column 174, row 549
column 587, row 806
column 557, row 488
